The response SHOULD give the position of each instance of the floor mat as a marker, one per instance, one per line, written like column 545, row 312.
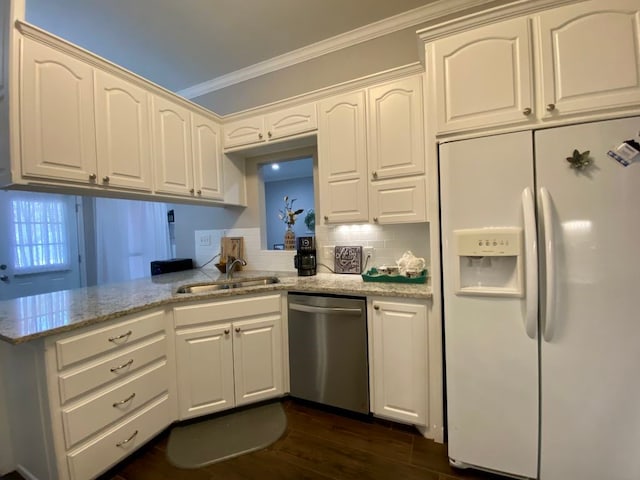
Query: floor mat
column 210, row 441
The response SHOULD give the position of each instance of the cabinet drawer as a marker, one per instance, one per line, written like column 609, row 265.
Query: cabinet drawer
column 79, row 347
column 106, row 450
column 74, row 383
column 89, row 417
column 226, row 310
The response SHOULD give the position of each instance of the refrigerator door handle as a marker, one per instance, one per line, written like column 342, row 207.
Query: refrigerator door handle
column 550, row 262
column 531, row 263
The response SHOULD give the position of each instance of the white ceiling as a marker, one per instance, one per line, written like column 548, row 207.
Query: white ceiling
column 181, row 43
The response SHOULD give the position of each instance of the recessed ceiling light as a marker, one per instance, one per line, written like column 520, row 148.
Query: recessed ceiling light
column 275, row 166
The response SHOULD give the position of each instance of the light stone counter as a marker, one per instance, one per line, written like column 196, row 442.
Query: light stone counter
column 27, row 318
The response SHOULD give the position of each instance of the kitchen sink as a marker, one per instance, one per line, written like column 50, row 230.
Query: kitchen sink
column 227, row 284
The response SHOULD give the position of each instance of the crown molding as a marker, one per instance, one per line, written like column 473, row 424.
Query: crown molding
column 411, row 18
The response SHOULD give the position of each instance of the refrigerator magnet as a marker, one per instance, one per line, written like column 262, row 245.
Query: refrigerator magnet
column 626, row 153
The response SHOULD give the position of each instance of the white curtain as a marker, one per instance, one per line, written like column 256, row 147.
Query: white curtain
column 129, row 235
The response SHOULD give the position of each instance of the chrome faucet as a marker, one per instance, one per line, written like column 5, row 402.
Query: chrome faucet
column 231, row 265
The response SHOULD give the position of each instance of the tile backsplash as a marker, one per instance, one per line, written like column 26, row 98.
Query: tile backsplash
column 388, row 242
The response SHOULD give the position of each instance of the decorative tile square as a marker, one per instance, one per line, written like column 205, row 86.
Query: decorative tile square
column 348, row 259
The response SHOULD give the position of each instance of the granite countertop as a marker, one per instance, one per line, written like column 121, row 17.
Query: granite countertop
column 28, row 318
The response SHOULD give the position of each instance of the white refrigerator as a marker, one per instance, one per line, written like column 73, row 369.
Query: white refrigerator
column 541, row 286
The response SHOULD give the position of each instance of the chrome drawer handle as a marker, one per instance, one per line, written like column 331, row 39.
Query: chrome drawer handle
column 122, row 402
column 120, row 367
column 120, row 337
column 124, row 442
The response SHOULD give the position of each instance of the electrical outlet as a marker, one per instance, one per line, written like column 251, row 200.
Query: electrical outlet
column 367, row 252
column 205, row 240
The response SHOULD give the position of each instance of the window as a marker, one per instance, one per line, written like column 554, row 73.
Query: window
column 293, row 179
column 40, row 233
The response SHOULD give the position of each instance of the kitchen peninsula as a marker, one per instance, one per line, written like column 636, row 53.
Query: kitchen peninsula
column 94, row 373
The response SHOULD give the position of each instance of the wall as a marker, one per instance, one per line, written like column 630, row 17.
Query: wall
column 300, row 189
column 388, row 241
column 383, row 53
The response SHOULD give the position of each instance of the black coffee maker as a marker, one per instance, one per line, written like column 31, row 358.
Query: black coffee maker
column 305, row 260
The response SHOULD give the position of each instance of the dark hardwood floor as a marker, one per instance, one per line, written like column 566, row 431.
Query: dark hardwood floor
column 319, row 444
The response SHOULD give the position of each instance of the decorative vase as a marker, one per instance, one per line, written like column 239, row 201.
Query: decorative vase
column 289, row 239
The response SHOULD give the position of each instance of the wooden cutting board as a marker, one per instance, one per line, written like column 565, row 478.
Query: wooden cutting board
column 232, row 247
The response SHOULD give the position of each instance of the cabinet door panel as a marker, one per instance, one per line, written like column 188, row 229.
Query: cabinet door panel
column 257, row 354
column 483, row 77
column 206, row 158
column 204, row 370
column 292, row 121
column 400, row 361
column 244, row 132
column 399, row 200
column 122, row 133
column 57, row 129
column 590, row 56
column 342, row 165
column 396, row 129
column 172, row 148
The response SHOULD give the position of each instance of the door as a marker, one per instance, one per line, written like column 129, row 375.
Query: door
column 207, row 163
column 483, row 77
column 399, row 361
column 589, row 57
column 491, row 362
column 342, row 151
column 172, row 148
column 123, row 133
column 396, row 129
column 590, row 390
column 257, row 360
column 56, row 115
column 39, row 249
column 204, row 367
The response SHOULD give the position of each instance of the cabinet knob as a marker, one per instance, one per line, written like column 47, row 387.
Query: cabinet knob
column 326, row 218
column 226, row 331
column 237, row 329
column 93, row 176
column 3, row 267
column 375, row 219
column 105, row 179
column 270, row 135
column 374, row 174
column 199, row 192
column 191, row 190
column 376, row 307
column 526, row 111
column 551, row 107
column 260, row 136
column 4, row 278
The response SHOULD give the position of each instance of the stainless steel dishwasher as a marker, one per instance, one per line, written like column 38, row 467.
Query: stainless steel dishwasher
column 328, row 350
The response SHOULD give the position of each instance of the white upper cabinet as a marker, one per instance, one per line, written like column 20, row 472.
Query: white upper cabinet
column 273, row 126
column 483, row 76
column 244, row 132
column 589, row 57
column 207, row 163
column 122, row 133
column 57, row 134
column 396, row 136
column 398, row 200
column 342, row 151
column 571, row 62
column 172, row 147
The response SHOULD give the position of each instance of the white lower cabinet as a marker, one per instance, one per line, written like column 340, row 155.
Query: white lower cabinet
column 228, row 353
column 398, row 359
column 110, row 389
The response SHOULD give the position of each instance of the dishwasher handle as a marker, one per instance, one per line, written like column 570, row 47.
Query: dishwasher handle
column 329, row 310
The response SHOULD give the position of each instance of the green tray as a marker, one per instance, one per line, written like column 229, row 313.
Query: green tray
column 374, row 276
